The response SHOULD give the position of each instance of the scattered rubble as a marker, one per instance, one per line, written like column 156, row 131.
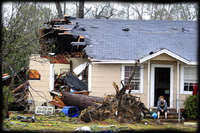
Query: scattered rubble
column 18, row 86
column 84, row 128
column 57, row 36
column 65, row 86
column 26, row 119
column 122, row 106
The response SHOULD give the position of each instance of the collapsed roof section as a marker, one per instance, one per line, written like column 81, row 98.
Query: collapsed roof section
column 59, row 39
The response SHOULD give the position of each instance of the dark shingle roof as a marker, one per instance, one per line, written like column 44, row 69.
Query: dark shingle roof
column 108, row 40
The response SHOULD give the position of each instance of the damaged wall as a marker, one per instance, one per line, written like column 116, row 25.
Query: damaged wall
column 42, row 65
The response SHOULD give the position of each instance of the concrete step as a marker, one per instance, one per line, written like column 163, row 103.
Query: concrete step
column 154, row 109
column 191, row 124
column 162, row 117
column 170, row 120
column 170, row 115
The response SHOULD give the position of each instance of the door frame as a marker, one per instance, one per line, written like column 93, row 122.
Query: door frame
column 153, row 66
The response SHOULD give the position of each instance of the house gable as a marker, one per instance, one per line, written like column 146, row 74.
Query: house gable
column 166, row 52
column 164, row 57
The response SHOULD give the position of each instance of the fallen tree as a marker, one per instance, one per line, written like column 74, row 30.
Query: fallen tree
column 80, row 100
column 122, row 106
column 131, row 109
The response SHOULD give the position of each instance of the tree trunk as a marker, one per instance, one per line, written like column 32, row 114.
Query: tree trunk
column 64, row 10
column 83, row 101
column 58, row 7
column 81, row 9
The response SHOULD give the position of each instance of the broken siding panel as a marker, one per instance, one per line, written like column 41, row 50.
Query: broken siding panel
column 103, row 76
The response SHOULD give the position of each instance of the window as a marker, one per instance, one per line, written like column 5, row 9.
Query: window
column 190, row 78
column 135, row 82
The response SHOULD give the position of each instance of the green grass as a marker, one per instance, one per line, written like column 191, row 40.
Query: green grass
column 60, row 123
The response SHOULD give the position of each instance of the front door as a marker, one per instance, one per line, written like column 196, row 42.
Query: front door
column 162, row 84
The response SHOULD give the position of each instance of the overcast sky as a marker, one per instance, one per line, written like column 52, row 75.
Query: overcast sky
column 71, row 8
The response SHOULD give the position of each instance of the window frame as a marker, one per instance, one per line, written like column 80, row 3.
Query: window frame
column 141, row 77
column 183, row 81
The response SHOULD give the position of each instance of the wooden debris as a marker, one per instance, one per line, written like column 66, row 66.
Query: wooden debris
column 122, row 106
column 20, row 87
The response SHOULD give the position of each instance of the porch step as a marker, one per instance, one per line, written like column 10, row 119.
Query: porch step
column 170, row 120
column 169, row 116
column 172, row 114
column 154, row 109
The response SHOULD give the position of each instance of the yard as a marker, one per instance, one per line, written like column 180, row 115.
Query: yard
column 63, row 123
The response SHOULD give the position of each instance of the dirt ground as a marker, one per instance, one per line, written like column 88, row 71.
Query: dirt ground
column 63, row 123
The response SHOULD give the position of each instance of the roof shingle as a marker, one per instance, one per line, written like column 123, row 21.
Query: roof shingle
column 108, row 41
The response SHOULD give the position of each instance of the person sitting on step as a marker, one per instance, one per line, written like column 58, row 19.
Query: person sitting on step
column 162, row 107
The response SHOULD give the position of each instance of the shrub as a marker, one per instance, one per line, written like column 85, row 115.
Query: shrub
column 191, row 107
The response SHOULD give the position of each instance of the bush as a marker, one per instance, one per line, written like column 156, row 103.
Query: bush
column 191, row 107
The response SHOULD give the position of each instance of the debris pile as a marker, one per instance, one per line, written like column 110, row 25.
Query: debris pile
column 69, row 81
column 123, row 106
column 65, row 86
column 127, row 108
column 19, row 87
column 57, row 37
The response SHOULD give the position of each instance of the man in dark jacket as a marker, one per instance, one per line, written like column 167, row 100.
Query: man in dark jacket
column 162, row 107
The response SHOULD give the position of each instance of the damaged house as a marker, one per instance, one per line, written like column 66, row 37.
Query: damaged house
column 100, row 51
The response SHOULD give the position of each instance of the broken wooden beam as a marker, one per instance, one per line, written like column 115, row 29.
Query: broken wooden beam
column 20, row 86
column 57, row 101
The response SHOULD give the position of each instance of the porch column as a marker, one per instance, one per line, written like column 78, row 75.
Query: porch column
column 148, row 87
column 90, row 77
column 51, row 82
column 178, row 86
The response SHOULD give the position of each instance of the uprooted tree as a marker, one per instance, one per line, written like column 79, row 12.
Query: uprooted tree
column 124, row 107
